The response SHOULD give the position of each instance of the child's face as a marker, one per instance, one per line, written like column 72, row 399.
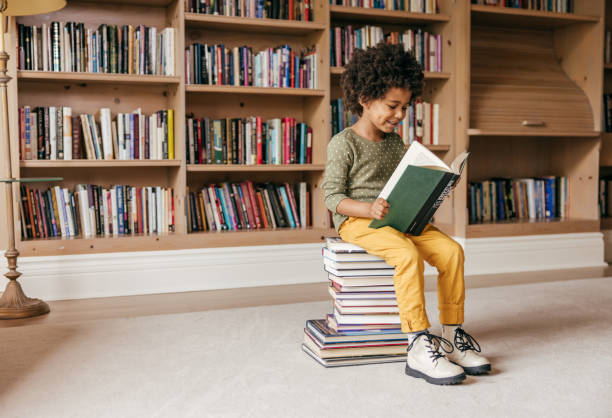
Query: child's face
column 386, row 113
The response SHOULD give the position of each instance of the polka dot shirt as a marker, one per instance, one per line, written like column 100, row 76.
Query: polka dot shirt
column 358, row 168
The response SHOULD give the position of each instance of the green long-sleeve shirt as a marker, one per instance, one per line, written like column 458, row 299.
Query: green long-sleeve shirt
column 358, row 168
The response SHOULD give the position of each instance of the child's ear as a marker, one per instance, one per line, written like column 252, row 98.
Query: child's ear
column 364, row 103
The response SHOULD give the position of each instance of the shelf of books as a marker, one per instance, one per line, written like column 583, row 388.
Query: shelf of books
column 532, row 166
column 116, row 153
column 248, row 119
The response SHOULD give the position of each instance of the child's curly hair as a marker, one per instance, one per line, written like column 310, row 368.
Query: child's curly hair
column 372, row 72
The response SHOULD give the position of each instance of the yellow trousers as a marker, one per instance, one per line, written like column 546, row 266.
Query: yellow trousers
column 406, row 253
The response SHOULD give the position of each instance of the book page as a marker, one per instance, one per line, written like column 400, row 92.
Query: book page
column 416, row 155
column 459, row 162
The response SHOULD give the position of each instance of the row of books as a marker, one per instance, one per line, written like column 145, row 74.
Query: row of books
column 53, row 133
column 414, row 6
column 427, row 47
column 270, row 9
column 364, row 326
column 421, row 123
column 242, row 206
column 91, row 210
column 240, row 66
column 605, row 197
column 559, row 6
column 250, row 141
column 521, row 199
column 607, row 112
column 70, row 46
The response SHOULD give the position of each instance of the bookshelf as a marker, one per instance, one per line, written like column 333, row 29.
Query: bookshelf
column 520, row 61
column 605, row 160
column 553, row 51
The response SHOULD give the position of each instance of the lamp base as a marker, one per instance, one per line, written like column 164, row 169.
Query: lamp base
column 14, row 304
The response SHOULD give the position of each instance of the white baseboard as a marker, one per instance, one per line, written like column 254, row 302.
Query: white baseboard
column 137, row 273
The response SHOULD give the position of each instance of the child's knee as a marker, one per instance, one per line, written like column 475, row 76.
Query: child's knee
column 403, row 257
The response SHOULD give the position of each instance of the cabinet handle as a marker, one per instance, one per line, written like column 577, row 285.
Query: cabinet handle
column 534, row 123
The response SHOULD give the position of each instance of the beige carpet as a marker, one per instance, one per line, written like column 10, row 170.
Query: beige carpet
column 550, row 344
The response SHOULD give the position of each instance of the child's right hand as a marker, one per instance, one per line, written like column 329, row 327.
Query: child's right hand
column 379, row 208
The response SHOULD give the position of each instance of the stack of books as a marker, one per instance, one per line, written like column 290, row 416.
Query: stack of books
column 364, row 327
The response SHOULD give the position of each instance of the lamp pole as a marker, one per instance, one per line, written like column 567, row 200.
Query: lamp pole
column 13, row 303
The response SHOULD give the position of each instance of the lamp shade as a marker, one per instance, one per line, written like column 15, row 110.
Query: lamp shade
column 30, row 7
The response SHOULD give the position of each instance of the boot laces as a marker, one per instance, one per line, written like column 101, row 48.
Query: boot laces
column 435, row 343
column 464, row 341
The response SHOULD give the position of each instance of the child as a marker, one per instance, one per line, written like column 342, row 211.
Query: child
column 378, row 84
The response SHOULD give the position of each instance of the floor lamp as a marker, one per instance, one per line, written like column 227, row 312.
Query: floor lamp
column 14, row 303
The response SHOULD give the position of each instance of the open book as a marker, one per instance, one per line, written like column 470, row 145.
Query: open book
column 417, row 187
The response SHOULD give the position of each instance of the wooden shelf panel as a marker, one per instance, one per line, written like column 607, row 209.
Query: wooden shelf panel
column 149, row 3
column 248, row 24
column 606, row 223
column 548, row 134
column 199, row 88
column 608, row 66
column 428, row 75
column 605, row 153
column 251, row 168
column 58, row 246
column 97, row 163
column 438, row 148
column 102, row 78
column 380, row 16
column 515, row 228
column 506, row 16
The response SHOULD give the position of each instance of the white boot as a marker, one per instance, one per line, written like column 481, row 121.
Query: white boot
column 466, row 349
column 427, row 362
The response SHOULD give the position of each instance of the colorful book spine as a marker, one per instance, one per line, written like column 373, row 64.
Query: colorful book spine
column 238, row 206
column 54, row 133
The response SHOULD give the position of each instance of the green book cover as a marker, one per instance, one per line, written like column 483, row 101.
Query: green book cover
column 417, row 187
column 415, row 192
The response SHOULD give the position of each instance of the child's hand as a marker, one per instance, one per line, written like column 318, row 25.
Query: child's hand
column 379, row 208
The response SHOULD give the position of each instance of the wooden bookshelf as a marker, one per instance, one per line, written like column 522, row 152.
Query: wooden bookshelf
column 570, row 65
column 63, row 77
column 606, row 223
column 57, row 246
column 428, row 75
column 548, row 134
column 605, row 155
column 515, row 228
column 254, row 168
column 381, row 16
column 511, row 17
column 247, row 24
column 263, row 91
column 535, row 107
column 53, row 164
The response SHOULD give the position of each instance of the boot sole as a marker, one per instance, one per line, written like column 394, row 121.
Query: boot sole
column 477, row 370
column 453, row 380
